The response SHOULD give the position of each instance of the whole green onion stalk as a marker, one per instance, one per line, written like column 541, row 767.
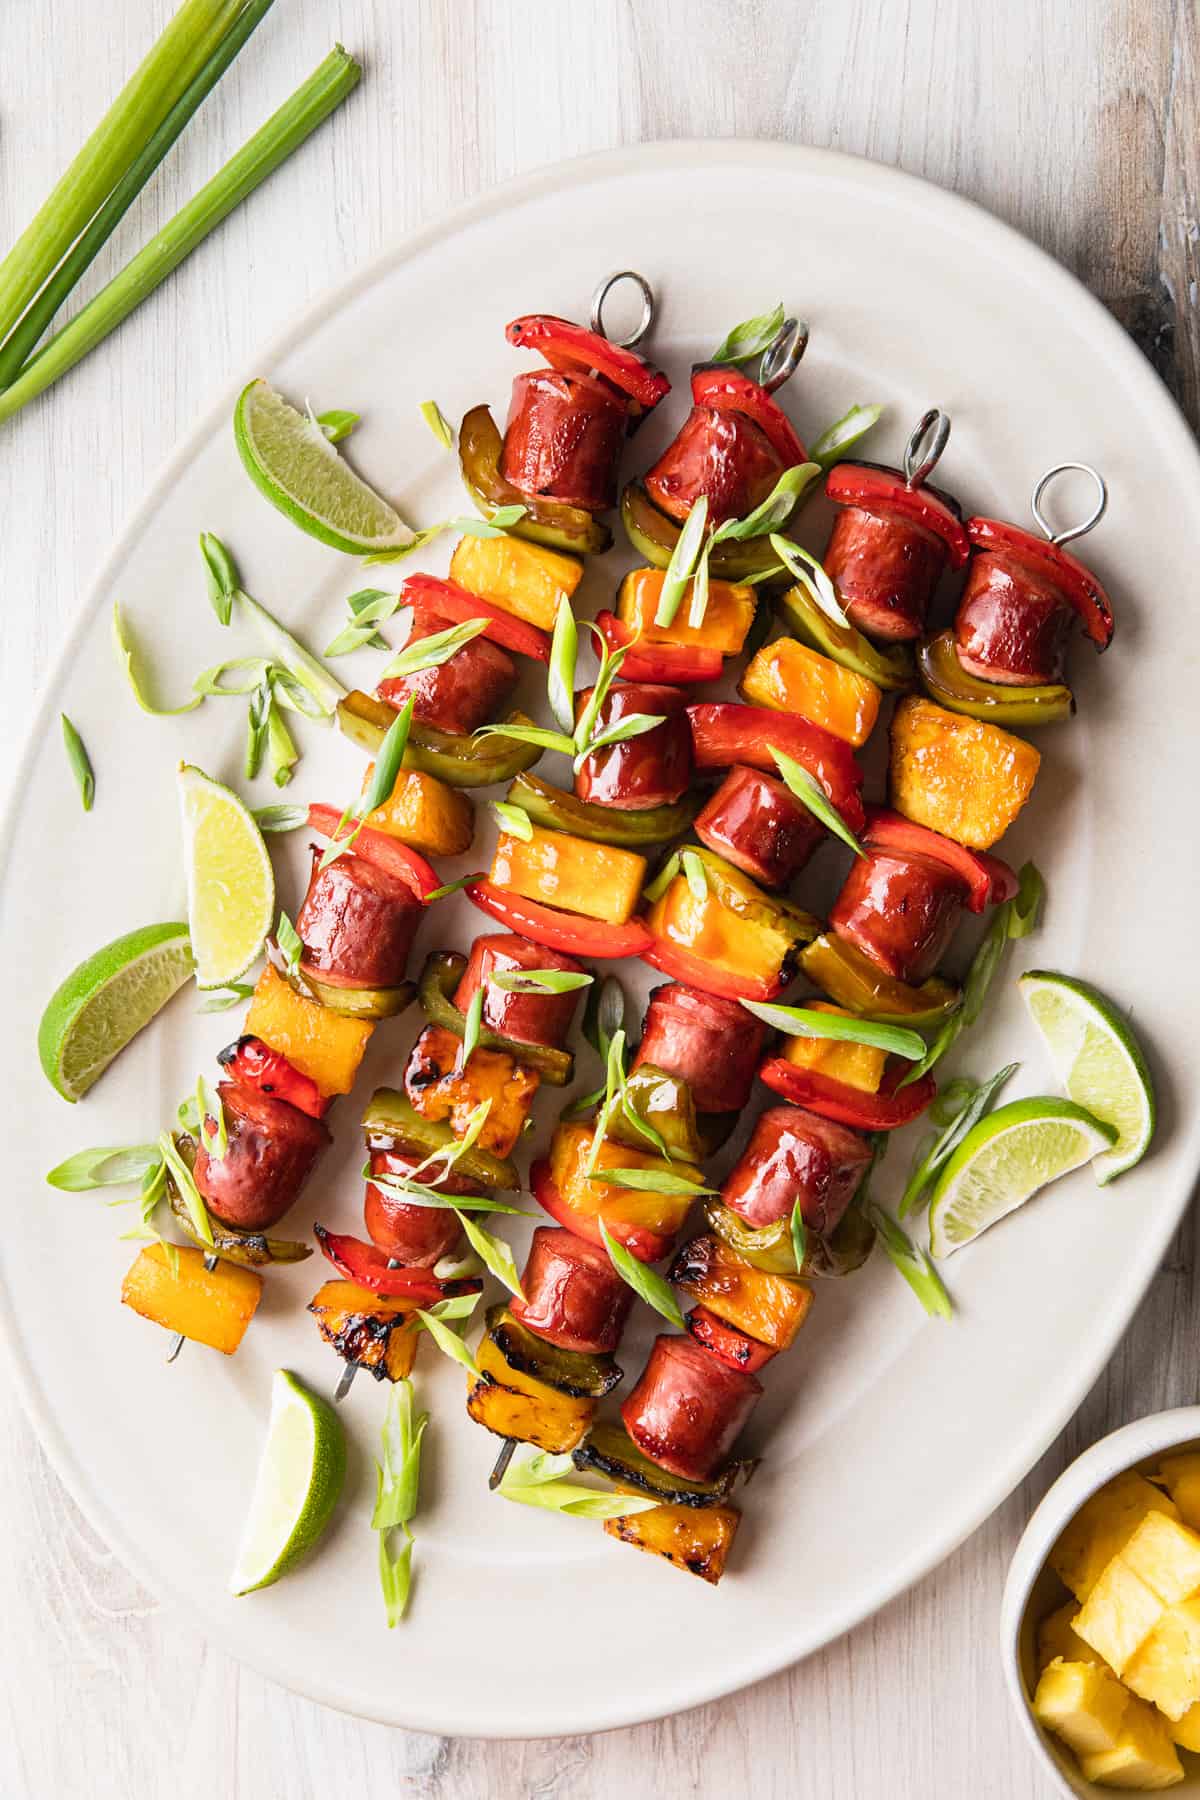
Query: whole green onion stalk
column 284, row 132
column 22, row 340
column 182, row 51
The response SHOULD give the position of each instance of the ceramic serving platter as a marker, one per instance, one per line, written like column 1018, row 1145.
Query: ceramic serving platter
column 886, row 1437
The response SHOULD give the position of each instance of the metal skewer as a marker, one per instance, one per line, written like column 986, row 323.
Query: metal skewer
column 501, row 1463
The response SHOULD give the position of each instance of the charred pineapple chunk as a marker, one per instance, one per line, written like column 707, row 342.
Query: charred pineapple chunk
column 176, row 1291
column 514, row 1404
column 769, row 1308
column 367, row 1329
column 439, row 1089
column 322, row 1044
column 959, row 776
column 695, row 1538
column 521, row 578
column 424, row 812
column 1103, row 1526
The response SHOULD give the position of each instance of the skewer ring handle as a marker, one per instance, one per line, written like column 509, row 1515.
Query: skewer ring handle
column 782, row 358
column 601, row 295
column 923, row 451
column 1093, row 518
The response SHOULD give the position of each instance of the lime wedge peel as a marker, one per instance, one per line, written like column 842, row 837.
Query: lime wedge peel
column 107, row 1000
column 300, row 1477
column 292, row 462
column 1098, row 1060
column 230, row 881
column 1004, row 1160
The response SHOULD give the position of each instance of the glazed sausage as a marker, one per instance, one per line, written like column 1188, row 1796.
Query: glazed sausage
column 885, row 571
column 651, row 770
column 460, row 694
column 794, row 1155
column 900, row 909
column 270, row 1154
column 526, row 1018
column 357, row 923
column 711, row 1043
column 417, row 1236
column 754, row 822
column 724, row 455
column 688, row 1409
column 573, row 1296
column 1012, row 623
column 563, row 438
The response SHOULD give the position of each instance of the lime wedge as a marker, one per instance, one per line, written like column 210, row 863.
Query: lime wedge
column 230, row 881
column 291, row 461
column 299, row 1480
column 1099, row 1062
column 106, row 1001
column 1004, row 1160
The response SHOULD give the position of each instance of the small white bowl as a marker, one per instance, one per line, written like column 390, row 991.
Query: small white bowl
column 1033, row 1590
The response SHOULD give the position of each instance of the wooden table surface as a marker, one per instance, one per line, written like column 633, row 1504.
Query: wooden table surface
column 1075, row 120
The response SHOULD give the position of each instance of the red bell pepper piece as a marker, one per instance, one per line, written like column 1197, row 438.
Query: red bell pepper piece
column 890, row 1108
column 725, row 733
column 361, row 1262
column 728, row 390
column 255, row 1065
column 885, row 491
column 648, row 1246
column 724, row 1341
column 557, row 930
column 1077, row 584
column 459, row 604
column 694, row 971
column 988, row 879
column 387, row 853
column 568, row 347
column 679, row 664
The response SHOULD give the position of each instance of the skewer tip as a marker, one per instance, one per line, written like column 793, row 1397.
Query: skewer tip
column 501, row 1463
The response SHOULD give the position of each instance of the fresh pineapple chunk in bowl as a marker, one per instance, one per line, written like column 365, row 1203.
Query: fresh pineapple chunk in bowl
column 1100, row 1625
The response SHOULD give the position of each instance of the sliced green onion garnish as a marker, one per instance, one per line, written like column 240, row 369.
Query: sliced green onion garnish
column 837, row 438
column 683, row 561
column 807, row 570
column 928, row 1162
column 751, row 338
column 645, row 1282
column 808, row 790
column 81, row 764
column 809, row 1022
